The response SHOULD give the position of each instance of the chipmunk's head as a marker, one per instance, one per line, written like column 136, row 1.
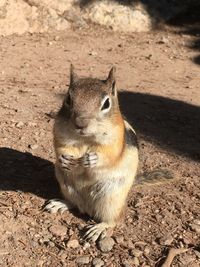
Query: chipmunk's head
column 90, row 104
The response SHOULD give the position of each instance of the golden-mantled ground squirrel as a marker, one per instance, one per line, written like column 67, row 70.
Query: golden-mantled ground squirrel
column 96, row 152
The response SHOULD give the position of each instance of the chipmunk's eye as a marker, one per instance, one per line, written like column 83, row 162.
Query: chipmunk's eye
column 68, row 100
column 106, row 104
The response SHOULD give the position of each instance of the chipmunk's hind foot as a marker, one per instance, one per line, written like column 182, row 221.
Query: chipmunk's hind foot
column 57, row 205
column 97, row 231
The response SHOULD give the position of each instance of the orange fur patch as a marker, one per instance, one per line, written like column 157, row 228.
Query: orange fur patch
column 112, row 152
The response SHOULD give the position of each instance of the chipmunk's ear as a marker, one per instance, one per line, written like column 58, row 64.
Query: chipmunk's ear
column 73, row 75
column 111, row 81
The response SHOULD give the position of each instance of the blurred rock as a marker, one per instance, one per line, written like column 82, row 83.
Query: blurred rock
column 83, row 260
column 58, row 230
column 106, row 244
column 73, row 243
column 136, row 252
column 97, row 262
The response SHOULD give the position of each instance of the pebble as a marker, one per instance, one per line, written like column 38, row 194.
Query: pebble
column 73, row 243
column 163, row 40
column 51, row 244
column 33, row 147
column 97, row 262
column 106, row 244
column 136, row 261
column 146, row 251
column 19, row 124
column 32, row 124
column 34, row 244
column 86, row 245
column 197, row 253
column 119, row 239
column 196, row 228
column 56, row 38
column 197, row 222
column 40, row 241
column 136, row 252
column 166, row 240
column 83, row 260
column 126, row 264
column 58, row 230
column 70, row 232
column 63, row 255
column 93, row 53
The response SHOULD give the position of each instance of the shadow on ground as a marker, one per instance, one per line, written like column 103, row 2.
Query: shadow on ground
column 24, row 172
column 172, row 124
column 189, row 24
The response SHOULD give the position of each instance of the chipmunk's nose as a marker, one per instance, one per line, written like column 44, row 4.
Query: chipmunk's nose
column 81, row 123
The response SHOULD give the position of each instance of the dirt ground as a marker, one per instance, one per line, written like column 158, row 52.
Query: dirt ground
column 160, row 75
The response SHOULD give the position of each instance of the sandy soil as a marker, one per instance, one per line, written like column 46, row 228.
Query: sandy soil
column 160, row 75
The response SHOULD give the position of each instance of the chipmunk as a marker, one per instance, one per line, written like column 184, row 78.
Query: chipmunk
column 96, row 153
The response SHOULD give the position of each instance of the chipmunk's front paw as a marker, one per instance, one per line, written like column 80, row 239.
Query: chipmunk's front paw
column 89, row 160
column 67, row 162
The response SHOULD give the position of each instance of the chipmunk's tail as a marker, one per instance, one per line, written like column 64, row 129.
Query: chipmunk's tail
column 159, row 176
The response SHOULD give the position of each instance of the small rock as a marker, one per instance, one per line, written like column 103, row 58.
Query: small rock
column 56, row 38
column 106, row 244
column 86, row 245
column 149, row 56
column 136, row 252
column 40, row 241
column 34, row 244
column 166, row 240
column 63, row 255
column 51, row 244
column 26, row 65
column 50, row 43
column 163, row 40
column 126, row 264
column 83, row 260
column 58, row 230
column 51, row 114
column 93, row 53
column 146, row 251
column 197, row 253
column 70, row 232
column 45, row 240
column 119, row 239
column 197, row 222
column 32, row 124
column 73, row 243
column 195, row 227
column 33, row 147
column 136, row 261
column 97, row 262
column 19, row 124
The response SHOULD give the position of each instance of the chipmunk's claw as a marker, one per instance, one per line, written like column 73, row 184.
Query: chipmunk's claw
column 67, row 162
column 97, row 231
column 57, row 205
column 89, row 160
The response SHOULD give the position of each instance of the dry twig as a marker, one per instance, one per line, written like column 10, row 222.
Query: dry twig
column 173, row 252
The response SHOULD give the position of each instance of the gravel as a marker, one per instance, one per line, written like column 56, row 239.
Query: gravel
column 106, row 244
